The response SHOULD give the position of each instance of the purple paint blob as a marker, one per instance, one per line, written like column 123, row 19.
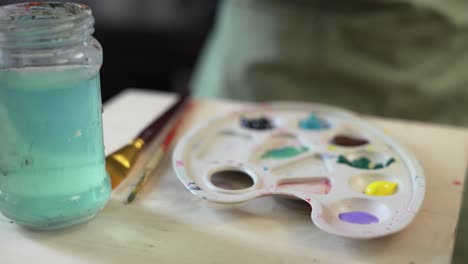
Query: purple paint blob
column 358, row 217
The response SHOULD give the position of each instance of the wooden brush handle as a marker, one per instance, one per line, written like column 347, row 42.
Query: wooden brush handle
column 153, row 129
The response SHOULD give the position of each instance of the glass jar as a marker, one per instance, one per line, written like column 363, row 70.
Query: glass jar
column 52, row 171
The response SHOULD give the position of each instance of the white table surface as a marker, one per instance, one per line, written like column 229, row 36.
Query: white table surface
column 167, row 224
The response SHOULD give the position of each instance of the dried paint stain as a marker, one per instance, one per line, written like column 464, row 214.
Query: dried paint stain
column 192, row 186
column 315, row 186
column 233, row 133
column 457, row 183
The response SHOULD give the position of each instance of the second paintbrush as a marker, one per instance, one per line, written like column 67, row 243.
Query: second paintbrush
column 158, row 155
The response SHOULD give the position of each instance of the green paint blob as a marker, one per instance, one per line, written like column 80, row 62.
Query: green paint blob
column 284, row 153
column 364, row 163
column 390, row 161
column 378, row 166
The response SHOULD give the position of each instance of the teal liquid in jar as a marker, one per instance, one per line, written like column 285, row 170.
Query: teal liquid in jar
column 52, row 171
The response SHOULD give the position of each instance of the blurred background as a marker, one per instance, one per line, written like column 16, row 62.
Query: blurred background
column 150, row 44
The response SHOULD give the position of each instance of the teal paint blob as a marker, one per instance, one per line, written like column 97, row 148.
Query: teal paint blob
column 313, row 123
column 284, row 153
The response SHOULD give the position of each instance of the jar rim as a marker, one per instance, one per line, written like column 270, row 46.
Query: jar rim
column 16, row 16
column 35, row 23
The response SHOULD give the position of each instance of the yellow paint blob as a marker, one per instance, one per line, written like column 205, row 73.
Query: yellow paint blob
column 381, row 188
column 331, row 148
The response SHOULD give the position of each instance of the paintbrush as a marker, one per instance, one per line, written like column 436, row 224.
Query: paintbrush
column 157, row 156
column 119, row 163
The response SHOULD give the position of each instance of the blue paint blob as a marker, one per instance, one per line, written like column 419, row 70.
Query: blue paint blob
column 359, row 218
column 313, row 123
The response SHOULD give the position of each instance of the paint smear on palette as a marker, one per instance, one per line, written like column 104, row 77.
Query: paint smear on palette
column 234, row 134
column 314, row 186
column 358, row 217
column 193, row 186
column 284, row 152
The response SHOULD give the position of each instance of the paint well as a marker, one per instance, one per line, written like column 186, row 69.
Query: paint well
column 358, row 217
column 313, row 186
column 370, row 183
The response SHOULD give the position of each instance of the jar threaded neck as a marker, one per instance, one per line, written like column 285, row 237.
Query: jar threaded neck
column 43, row 25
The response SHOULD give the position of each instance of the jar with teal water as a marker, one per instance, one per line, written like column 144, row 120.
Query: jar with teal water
column 52, row 171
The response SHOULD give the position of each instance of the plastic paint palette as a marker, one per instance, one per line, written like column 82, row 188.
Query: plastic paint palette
column 360, row 182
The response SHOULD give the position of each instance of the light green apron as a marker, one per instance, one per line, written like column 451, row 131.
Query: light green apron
column 405, row 59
